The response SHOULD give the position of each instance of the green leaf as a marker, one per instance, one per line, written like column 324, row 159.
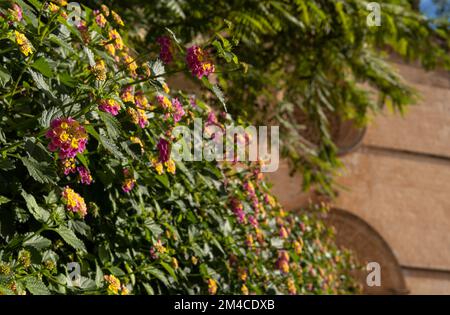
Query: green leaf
column 148, row 288
column 109, row 145
column 169, row 270
column 98, row 275
column 83, row 160
column 38, row 213
column 36, row 286
column 48, row 115
column 4, row 200
column 6, row 291
column 219, row 94
column 43, row 67
column 67, row 79
column 70, row 238
column 158, row 274
column 42, row 172
column 40, row 82
column 112, row 125
column 38, row 242
column 6, row 165
column 116, row 271
column 37, row 151
column 153, row 227
column 90, row 56
column 91, row 130
column 163, row 179
column 4, row 76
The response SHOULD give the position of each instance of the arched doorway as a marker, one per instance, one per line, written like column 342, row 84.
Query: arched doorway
column 368, row 246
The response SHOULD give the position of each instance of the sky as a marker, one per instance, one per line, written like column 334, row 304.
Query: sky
column 428, row 8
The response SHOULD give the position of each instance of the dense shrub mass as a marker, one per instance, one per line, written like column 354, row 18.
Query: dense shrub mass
column 86, row 175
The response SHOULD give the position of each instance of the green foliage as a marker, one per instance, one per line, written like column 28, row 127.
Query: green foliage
column 309, row 63
column 140, row 226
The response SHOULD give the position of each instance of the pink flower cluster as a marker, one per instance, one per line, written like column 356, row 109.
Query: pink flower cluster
column 198, row 62
column 238, row 210
column 212, row 119
column 178, row 110
column 129, row 181
column 164, row 150
column 250, row 189
column 165, row 53
column 253, row 221
column 110, row 106
column 66, row 136
column 85, row 175
column 69, row 166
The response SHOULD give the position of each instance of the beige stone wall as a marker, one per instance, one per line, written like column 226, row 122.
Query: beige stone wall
column 398, row 181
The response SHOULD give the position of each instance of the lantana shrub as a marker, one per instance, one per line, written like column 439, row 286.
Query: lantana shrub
column 91, row 201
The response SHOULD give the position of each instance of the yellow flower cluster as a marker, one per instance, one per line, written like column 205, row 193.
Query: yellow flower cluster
column 160, row 247
column 244, row 289
column 74, row 201
column 212, row 286
column 24, row 45
column 115, row 36
column 99, row 70
column 117, row 18
column 298, row 246
column 170, row 165
column 114, row 286
column 291, row 286
column 130, row 64
column 159, row 167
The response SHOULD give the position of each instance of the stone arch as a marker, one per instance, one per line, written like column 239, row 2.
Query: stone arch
column 368, row 245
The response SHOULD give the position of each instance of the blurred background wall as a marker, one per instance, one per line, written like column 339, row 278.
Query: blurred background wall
column 394, row 203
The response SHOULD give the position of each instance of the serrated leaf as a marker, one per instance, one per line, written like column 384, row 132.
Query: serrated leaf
column 42, row 172
column 38, row 242
column 90, row 56
column 40, row 82
column 219, row 94
column 38, row 213
column 60, row 42
column 80, row 227
column 153, row 227
column 158, row 68
column 112, row 125
column 37, row 151
column 70, row 238
column 111, row 147
column 43, row 67
column 36, row 286
column 48, row 115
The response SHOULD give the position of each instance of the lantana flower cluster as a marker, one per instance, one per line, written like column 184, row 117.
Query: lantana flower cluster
column 74, row 202
column 198, row 62
column 67, row 136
